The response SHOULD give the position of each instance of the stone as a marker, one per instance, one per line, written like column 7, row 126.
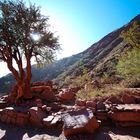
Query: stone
column 80, row 102
column 113, row 100
column 91, row 104
column 100, row 105
column 102, row 115
column 3, row 117
column 48, row 83
column 3, row 104
column 22, row 119
column 51, row 120
column 128, row 124
column 39, row 89
column 66, row 94
column 137, row 100
column 48, row 95
column 128, row 99
column 55, row 120
column 125, row 113
column 34, row 118
column 125, row 116
column 4, row 98
column 55, row 106
column 11, row 116
column 79, row 121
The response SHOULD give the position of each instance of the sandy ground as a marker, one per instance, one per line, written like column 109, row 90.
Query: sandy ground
column 9, row 132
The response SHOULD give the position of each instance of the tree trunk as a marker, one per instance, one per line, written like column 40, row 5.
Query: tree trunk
column 23, row 90
column 24, row 85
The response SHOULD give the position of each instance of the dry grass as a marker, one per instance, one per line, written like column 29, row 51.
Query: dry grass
column 105, row 90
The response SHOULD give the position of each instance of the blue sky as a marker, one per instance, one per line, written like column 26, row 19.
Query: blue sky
column 80, row 23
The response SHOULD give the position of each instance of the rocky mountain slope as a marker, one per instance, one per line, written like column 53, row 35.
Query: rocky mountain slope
column 100, row 57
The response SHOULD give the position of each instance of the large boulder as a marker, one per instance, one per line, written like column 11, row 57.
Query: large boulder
column 79, row 121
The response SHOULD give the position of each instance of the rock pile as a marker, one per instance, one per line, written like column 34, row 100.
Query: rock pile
column 48, row 109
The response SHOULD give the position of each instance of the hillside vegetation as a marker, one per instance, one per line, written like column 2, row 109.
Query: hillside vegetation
column 111, row 60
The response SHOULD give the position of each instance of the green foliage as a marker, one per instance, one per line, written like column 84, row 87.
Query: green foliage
column 24, row 33
column 132, row 35
column 89, row 94
column 129, row 63
column 83, row 79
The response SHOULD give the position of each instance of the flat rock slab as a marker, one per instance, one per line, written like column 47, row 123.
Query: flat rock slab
column 127, row 114
column 79, row 121
column 127, row 107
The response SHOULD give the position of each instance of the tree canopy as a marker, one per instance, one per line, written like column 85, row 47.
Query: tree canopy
column 24, row 34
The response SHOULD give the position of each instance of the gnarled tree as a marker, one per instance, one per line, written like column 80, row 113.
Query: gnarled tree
column 24, row 34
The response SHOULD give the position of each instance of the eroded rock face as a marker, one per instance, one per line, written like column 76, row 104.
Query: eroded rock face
column 79, row 121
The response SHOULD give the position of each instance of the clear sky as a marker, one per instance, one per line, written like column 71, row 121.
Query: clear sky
column 80, row 23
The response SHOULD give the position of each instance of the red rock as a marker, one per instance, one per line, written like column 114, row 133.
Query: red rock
column 128, row 99
column 48, row 83
column 100, row 105
column 22, row 119
column 39, row 89
column 128, row 124
column 3, row 117
column 125, row 116
column 79, row 121
column 48, row 95
column 91, row 104
column 137, row 100
column 66, row 94
column 101, row 115
column 3, row 104
column 34, row 118
column 80, row 102
column 125, row 113
column 55, row 106
column 113, row 100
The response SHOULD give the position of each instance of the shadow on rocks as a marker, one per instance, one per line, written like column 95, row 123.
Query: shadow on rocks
column 17, row 133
